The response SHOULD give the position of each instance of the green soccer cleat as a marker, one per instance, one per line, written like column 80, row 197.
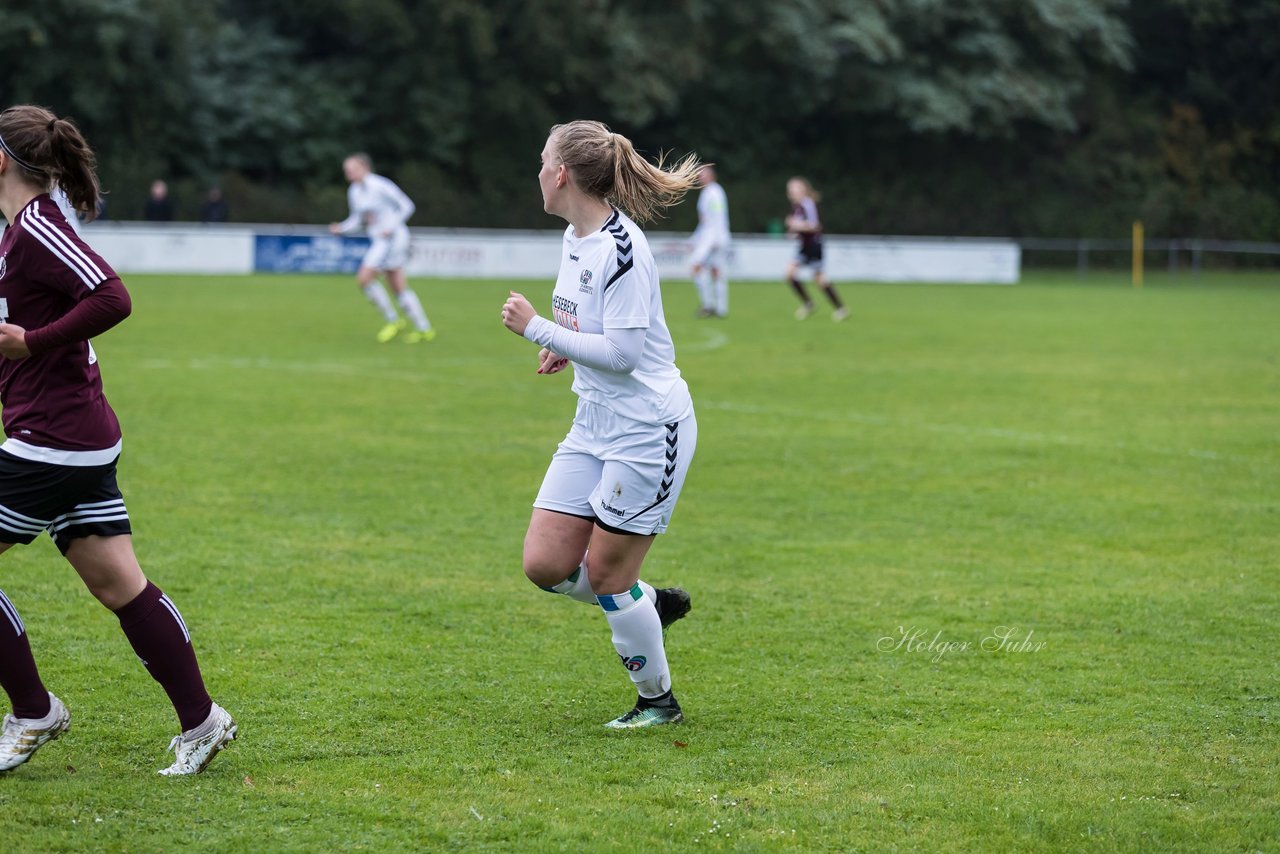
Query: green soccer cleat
column 391, row 330
column 420, row 335
column 673, row 603
column 645, row 715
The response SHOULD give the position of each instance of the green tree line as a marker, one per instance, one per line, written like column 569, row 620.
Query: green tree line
column 1035, row 117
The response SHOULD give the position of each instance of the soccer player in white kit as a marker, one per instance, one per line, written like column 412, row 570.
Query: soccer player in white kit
column 613, row 482
column 64, row 204
column 710, row 255
column 381, row 209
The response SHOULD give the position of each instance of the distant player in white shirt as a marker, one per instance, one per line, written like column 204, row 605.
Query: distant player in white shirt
column 710, row 255
column 69, row 211
column 381, row 209
column 613, row 482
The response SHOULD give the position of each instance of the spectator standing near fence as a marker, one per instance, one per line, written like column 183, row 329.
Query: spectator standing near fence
column 215, row 208
column 158, row 208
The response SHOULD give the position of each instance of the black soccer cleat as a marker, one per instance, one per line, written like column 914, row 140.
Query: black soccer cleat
column 673, row 603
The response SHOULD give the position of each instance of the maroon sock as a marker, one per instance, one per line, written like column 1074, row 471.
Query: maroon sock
column 18, row 674
column 800, row 291
column 159, row 636
column 833, row 296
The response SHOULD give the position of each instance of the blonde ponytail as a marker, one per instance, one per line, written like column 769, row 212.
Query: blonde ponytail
column 607, row 166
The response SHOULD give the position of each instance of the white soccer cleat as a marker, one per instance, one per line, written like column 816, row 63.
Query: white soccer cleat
column 804, row 311
column 22, row 737
column 194, row 754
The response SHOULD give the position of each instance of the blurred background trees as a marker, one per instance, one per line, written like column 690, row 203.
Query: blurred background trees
column 1041, row 117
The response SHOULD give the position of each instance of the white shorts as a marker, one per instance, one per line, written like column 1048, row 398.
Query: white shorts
column 626, row 474
column 710, row 254
column 388, row 253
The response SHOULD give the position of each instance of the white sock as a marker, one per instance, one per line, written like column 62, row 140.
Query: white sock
column 637, row 636
column 720, row 285
column 578, row 587
column 46, row 721
column 703, row 282
column 204, row 728
column 377, row 295
column 412, row 308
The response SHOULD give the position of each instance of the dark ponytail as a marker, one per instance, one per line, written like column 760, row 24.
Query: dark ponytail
column 75, row 167
column 49, row 150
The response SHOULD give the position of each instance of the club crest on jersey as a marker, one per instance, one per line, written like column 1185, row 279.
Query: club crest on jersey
column 585, row 280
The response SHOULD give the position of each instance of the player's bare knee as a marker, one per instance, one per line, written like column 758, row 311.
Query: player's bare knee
column 545, row 572
column 111, row 593
column 608, row 577
column 534, row 571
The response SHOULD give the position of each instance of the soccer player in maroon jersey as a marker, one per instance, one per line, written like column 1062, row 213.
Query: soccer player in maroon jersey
column 62, row 440
column 805, row 225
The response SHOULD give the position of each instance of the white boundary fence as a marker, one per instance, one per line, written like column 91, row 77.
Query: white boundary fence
column 474, row 253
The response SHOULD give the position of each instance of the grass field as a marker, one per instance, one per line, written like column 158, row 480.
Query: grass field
column 1093, row 468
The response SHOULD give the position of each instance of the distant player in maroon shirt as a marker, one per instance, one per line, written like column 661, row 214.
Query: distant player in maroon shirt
column 805, row 225
column 62, row 440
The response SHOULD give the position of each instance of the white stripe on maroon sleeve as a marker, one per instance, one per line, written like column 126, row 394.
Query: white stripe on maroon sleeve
column 70, row 243
column 59, row 244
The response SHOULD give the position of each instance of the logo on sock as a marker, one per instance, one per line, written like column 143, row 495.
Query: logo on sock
column 636, row 662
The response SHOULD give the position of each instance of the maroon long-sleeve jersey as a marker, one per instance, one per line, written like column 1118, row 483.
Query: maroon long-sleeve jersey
column 62, row 292
column 807, row 210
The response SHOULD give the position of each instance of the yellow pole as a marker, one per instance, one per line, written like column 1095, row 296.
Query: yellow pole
column 1137, row 254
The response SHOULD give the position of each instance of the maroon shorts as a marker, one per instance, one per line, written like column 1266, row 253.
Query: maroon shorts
column 67, row 501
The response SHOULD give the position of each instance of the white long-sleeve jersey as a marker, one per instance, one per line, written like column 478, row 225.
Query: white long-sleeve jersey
column 377, row 205
column 60, row 199
column 713, row 216
column 607, row 291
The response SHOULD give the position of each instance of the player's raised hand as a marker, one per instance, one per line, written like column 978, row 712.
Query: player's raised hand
column 517, row 312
